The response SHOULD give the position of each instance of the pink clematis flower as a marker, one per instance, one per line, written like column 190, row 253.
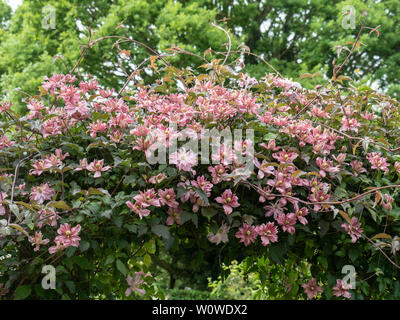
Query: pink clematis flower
column 247, row 234
column 82, row 165
column 202, row 183
column 318, row 196
column 3, row 196
column 220, row 236
column 264, row 170
column 4, row 106
column 301, row 213
column 357, row 167
column 135, row 283
column 38, row 167
column 342, row 289
column 275, row 209
column 287, row 221
column 268, row 233
column 217, row 173
column 312, row 289
column 139, row 208
column 52, row 127
column 58, row 247
column 68, row 236
column 5, row 142
column 174, row 216
column 140, row 131
column 271, row 145
column 48, row 217
column 367, row 115
column 157, row 179
column 354, row 229
column 378, row 162
column 42, row 193
column 148, row 198
column 397, row 166
column 38, row 240
column 167, row 198
column 184, row 160
column 280, row 183
column 388, row 203
column 97, row 167
column 229, row 201
column 318, row 112
column 96, row 127
column 285, row 156
column 350, row 124
column 326, row 166
column 265, row 194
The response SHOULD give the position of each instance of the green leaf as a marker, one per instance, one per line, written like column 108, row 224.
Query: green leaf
column 130, row 180
column 147, row 260
column 269, row 136
column 161, row 231
column 186, row 216
column 59, row 205
column 22, row 292
column 195, row 220
column 94, row 145
column 70, row 251
column 110, row 259
column 382, row 236
column 181, row 191
column 84, row 245
column 14, row 209
column 121, row 267
column 131, row 227
column 208, row 212
column 83, row 262
column 276, row 253
column 354, row 253
column 94, row 191
column 203, row 196
column 70, row 285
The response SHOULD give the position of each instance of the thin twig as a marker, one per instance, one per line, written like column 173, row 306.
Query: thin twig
column 229, row 41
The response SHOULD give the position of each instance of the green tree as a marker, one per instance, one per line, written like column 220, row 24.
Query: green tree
column 299, row 36
column 5, row 13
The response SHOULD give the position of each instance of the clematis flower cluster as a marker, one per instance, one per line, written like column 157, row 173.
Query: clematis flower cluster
column 67, row 236
column 302, row 156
